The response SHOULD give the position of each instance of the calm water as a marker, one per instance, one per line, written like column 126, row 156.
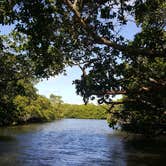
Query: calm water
column 76, row 142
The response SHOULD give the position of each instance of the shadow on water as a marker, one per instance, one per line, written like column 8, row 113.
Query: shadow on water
column 7, row 138
column 137, row 151
column 145, row 151
column 8, row 150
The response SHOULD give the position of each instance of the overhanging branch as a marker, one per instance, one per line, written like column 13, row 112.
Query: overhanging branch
column 104, row 41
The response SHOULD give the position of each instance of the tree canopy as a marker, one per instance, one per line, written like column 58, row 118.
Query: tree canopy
column 89, row 34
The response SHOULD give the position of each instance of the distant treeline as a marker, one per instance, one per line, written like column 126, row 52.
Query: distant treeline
column 89, row 111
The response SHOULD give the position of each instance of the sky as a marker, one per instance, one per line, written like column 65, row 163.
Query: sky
column 62, row 85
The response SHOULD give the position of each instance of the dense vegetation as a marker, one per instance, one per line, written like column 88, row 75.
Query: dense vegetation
column 89, row 111
column 50, row 34
column 21, row 104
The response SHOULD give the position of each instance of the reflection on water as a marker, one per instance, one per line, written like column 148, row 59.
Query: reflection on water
column 78, row 142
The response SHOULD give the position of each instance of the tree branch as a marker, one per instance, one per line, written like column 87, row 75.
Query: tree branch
column 104, row 41
column 122, row 92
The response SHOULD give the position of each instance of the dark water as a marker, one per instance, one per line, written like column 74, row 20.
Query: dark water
column 72, row 142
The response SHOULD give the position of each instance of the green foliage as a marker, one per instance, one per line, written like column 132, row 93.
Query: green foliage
column 57, row 102
column 35, row 22
column 41, row 110
column 19, row 103
column 89, row 111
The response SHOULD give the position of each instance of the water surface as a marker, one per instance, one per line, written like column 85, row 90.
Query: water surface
column 76, row 142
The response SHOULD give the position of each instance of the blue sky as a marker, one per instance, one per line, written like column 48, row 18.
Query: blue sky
column 62, row 85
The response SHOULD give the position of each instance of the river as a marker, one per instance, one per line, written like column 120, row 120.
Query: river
column 76, row 142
